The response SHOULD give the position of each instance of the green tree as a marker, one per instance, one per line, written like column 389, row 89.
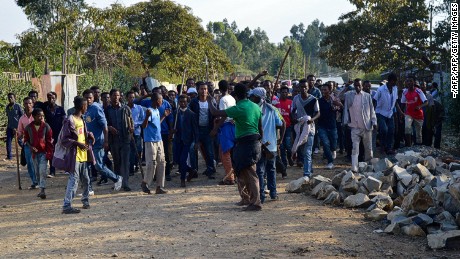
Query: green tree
column 172, row 38
column 379, row 34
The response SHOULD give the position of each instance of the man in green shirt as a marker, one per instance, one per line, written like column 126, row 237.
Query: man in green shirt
column 246, row 153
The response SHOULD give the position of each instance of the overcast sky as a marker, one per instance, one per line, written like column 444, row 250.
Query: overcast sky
column 276, row 17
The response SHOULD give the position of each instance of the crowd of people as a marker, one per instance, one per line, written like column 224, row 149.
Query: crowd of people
column 254, row 129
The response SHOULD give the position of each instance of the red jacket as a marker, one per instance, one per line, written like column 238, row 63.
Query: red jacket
column 41, row 139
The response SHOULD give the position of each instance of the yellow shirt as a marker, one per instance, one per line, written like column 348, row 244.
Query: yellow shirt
column 82, row 155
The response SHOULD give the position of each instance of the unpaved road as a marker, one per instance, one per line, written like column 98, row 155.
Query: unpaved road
column 198, row 222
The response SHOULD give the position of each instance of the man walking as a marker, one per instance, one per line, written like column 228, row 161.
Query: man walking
column 205, row 124
column 305, row 109
column 386, row 97
column 271, row 120
column 25, row 120
column 327, row 128
column 154, row 154
column 54, row 116
column 13, row 113
column 359, row 115
column 415, row 100
column 284, row 107
column 97, row 125
column 119, row 121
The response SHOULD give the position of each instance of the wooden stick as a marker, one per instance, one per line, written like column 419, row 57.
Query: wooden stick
column 17, row 159
column 281, row 68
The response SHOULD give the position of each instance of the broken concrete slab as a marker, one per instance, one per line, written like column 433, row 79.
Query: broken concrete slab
column 450, row 239
column 410, row 156
column 433, row 211
column 430, row 163
column 357, row 201
column 402, row 175
column 451, row 204
column 441, row 170
column 314, row 181
column 314, row 192
column 382, row 165
column 383, row 202
column 372, row 184
column 332, row 199
column 337, row 179
column 418, row 200
column 362, row 166
column 454, row 166
column 325, row 191
column 413, row 230
column 400, row 189
column 297, row 186
column 349, row 183
column 397, row 211
column 439, row 180
column 422, row 220
column 393, row 228
column 422, row 171
column 376, row 214
column 454, row 190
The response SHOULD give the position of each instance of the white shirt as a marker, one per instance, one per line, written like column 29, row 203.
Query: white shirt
column 385, row 100
column 203, row 118
column 225, row 102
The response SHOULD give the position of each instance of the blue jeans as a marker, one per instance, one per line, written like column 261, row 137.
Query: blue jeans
column 81, row 170
column 135, row 145
column 386, row 131
column 308, row 150
column 286, row 146
column 40, row 165
column 182, row 150
column 30, row 165
column 9, row 140
column 99, row 155
column 206, row 140
column 329, row 139
column 266, row 167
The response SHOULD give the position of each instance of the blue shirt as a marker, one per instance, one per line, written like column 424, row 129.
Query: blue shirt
column 95, row 123
column 385, row 100
column 152, row 133
column 270, row 119
column 138, row 117
column 315, row 92
column 147, row 103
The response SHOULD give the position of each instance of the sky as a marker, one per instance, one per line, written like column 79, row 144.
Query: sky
column 276, row 17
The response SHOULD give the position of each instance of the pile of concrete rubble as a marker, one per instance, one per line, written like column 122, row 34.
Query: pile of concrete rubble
column 416, row 195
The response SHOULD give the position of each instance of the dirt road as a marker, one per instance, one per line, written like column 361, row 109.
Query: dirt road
column 200, row 221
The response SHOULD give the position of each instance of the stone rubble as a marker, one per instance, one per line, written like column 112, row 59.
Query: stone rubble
column 414, row 191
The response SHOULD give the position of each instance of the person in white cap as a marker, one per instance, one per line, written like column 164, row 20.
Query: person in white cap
column 271, row 120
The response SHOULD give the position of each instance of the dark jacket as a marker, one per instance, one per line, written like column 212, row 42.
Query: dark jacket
column 188, row 133
column 195, row 107
column 124, row 136
column 13, row 113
